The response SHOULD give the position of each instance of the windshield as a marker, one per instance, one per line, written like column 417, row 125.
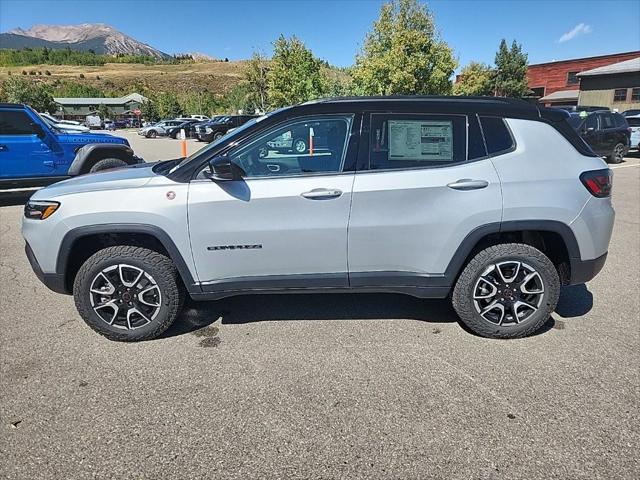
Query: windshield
column 48, row 122
column 575, row 121
column 219, row 119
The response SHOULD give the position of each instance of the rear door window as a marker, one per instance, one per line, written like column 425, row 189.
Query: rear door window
column 401, row 141
column 496, row 135
column 606, row 121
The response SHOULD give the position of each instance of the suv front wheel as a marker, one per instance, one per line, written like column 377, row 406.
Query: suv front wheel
column 128, row 293
column 507, row 291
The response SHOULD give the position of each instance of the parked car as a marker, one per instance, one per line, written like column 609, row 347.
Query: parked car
column 202, row 118
column 309, row 137
column 434, row 196
column 64, row 125
column 158, row 129
column 634, row 125
column 173, row 132
column 94, row 122
column 33, row 152
column 217, row 128
column 631, row 113
column 607, row 133
column 193, row 129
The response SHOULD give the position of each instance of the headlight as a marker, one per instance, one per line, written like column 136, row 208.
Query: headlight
column 208, row 129
column 39, row 210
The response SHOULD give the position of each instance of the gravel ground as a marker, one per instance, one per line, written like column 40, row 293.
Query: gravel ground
column 333, row 386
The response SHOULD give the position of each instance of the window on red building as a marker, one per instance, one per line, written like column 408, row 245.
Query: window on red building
column 572, row 78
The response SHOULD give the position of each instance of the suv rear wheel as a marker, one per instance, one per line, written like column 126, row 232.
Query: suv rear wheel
column 618, row 154
column 507, row 291
column 128, row 293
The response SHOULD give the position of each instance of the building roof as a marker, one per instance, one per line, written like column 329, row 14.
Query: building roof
column 628, row 66
column 562, row 95
column 569, row 60
column 132, row 97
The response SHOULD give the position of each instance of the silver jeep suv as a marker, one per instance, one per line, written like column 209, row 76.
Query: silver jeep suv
column 495, row 202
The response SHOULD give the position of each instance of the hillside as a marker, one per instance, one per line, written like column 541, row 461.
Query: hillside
column 216, row 77
column 97, row 37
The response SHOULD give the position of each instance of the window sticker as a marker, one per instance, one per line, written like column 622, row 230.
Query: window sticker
column 421, row 140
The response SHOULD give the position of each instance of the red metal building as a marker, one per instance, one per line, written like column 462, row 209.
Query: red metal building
column 560, row 78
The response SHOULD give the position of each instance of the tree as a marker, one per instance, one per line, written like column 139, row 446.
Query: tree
column 104, row 111
column 295, row 75
column 21, row 90
column 150, row 111
column 168, row 105
column 475, row 79
column 256, row 78
column 511, row 71
column 404, row 54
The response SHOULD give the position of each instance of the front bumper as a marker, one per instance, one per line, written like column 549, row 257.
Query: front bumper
column 584, row 270
column 53, row 281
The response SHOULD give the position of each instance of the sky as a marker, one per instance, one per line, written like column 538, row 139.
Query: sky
column 335, row 30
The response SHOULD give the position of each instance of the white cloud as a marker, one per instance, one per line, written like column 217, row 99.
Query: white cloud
column 580, row 29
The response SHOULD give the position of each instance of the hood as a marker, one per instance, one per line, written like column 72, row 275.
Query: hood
column 118, row 178
column 86, row 138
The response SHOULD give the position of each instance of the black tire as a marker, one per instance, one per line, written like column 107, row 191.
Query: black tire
column 217, row 136
column 469, row 280
column 297, row 142
column 151, row 134
column 159, row 269
column 107, row 163
column 617, row 154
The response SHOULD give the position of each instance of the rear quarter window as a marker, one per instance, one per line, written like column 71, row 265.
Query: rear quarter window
column 496, row 135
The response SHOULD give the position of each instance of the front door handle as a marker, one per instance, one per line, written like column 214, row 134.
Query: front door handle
column 322, row 193
column 468, row 184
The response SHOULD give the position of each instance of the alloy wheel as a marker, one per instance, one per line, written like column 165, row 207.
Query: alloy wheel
column 300, row 146
column 618, row 152
column 125, row 296
column 508, row 293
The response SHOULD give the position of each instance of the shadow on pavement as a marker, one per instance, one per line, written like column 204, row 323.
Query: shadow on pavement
column 260, row 308
column 9, row 199
column 575, row 301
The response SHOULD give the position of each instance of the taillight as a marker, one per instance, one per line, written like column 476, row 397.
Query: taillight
column 598, row 182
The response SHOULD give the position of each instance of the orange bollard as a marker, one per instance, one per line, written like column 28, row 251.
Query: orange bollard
column 183, row 141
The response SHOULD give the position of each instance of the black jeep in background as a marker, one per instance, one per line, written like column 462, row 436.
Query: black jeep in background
column 607, row 133
column 213, row 130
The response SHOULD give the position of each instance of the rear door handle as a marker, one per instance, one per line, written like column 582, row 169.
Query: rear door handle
column 468, row 184
column 322, row 193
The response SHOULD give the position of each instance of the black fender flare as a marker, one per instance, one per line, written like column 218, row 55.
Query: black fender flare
column 66, row 248
column 471, row 240
column 87, row 154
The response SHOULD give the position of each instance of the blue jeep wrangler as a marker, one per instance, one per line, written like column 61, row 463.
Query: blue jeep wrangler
column 33, row 153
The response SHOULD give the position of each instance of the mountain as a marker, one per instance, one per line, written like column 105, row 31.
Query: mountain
column 100, row 38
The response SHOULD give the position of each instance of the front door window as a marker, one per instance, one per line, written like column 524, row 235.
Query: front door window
column 300, row 147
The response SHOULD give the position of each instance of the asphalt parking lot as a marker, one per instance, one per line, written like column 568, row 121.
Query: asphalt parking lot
column 333, row 386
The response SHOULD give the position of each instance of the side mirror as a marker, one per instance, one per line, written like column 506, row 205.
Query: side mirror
column 38, row 130
column 221, row 169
